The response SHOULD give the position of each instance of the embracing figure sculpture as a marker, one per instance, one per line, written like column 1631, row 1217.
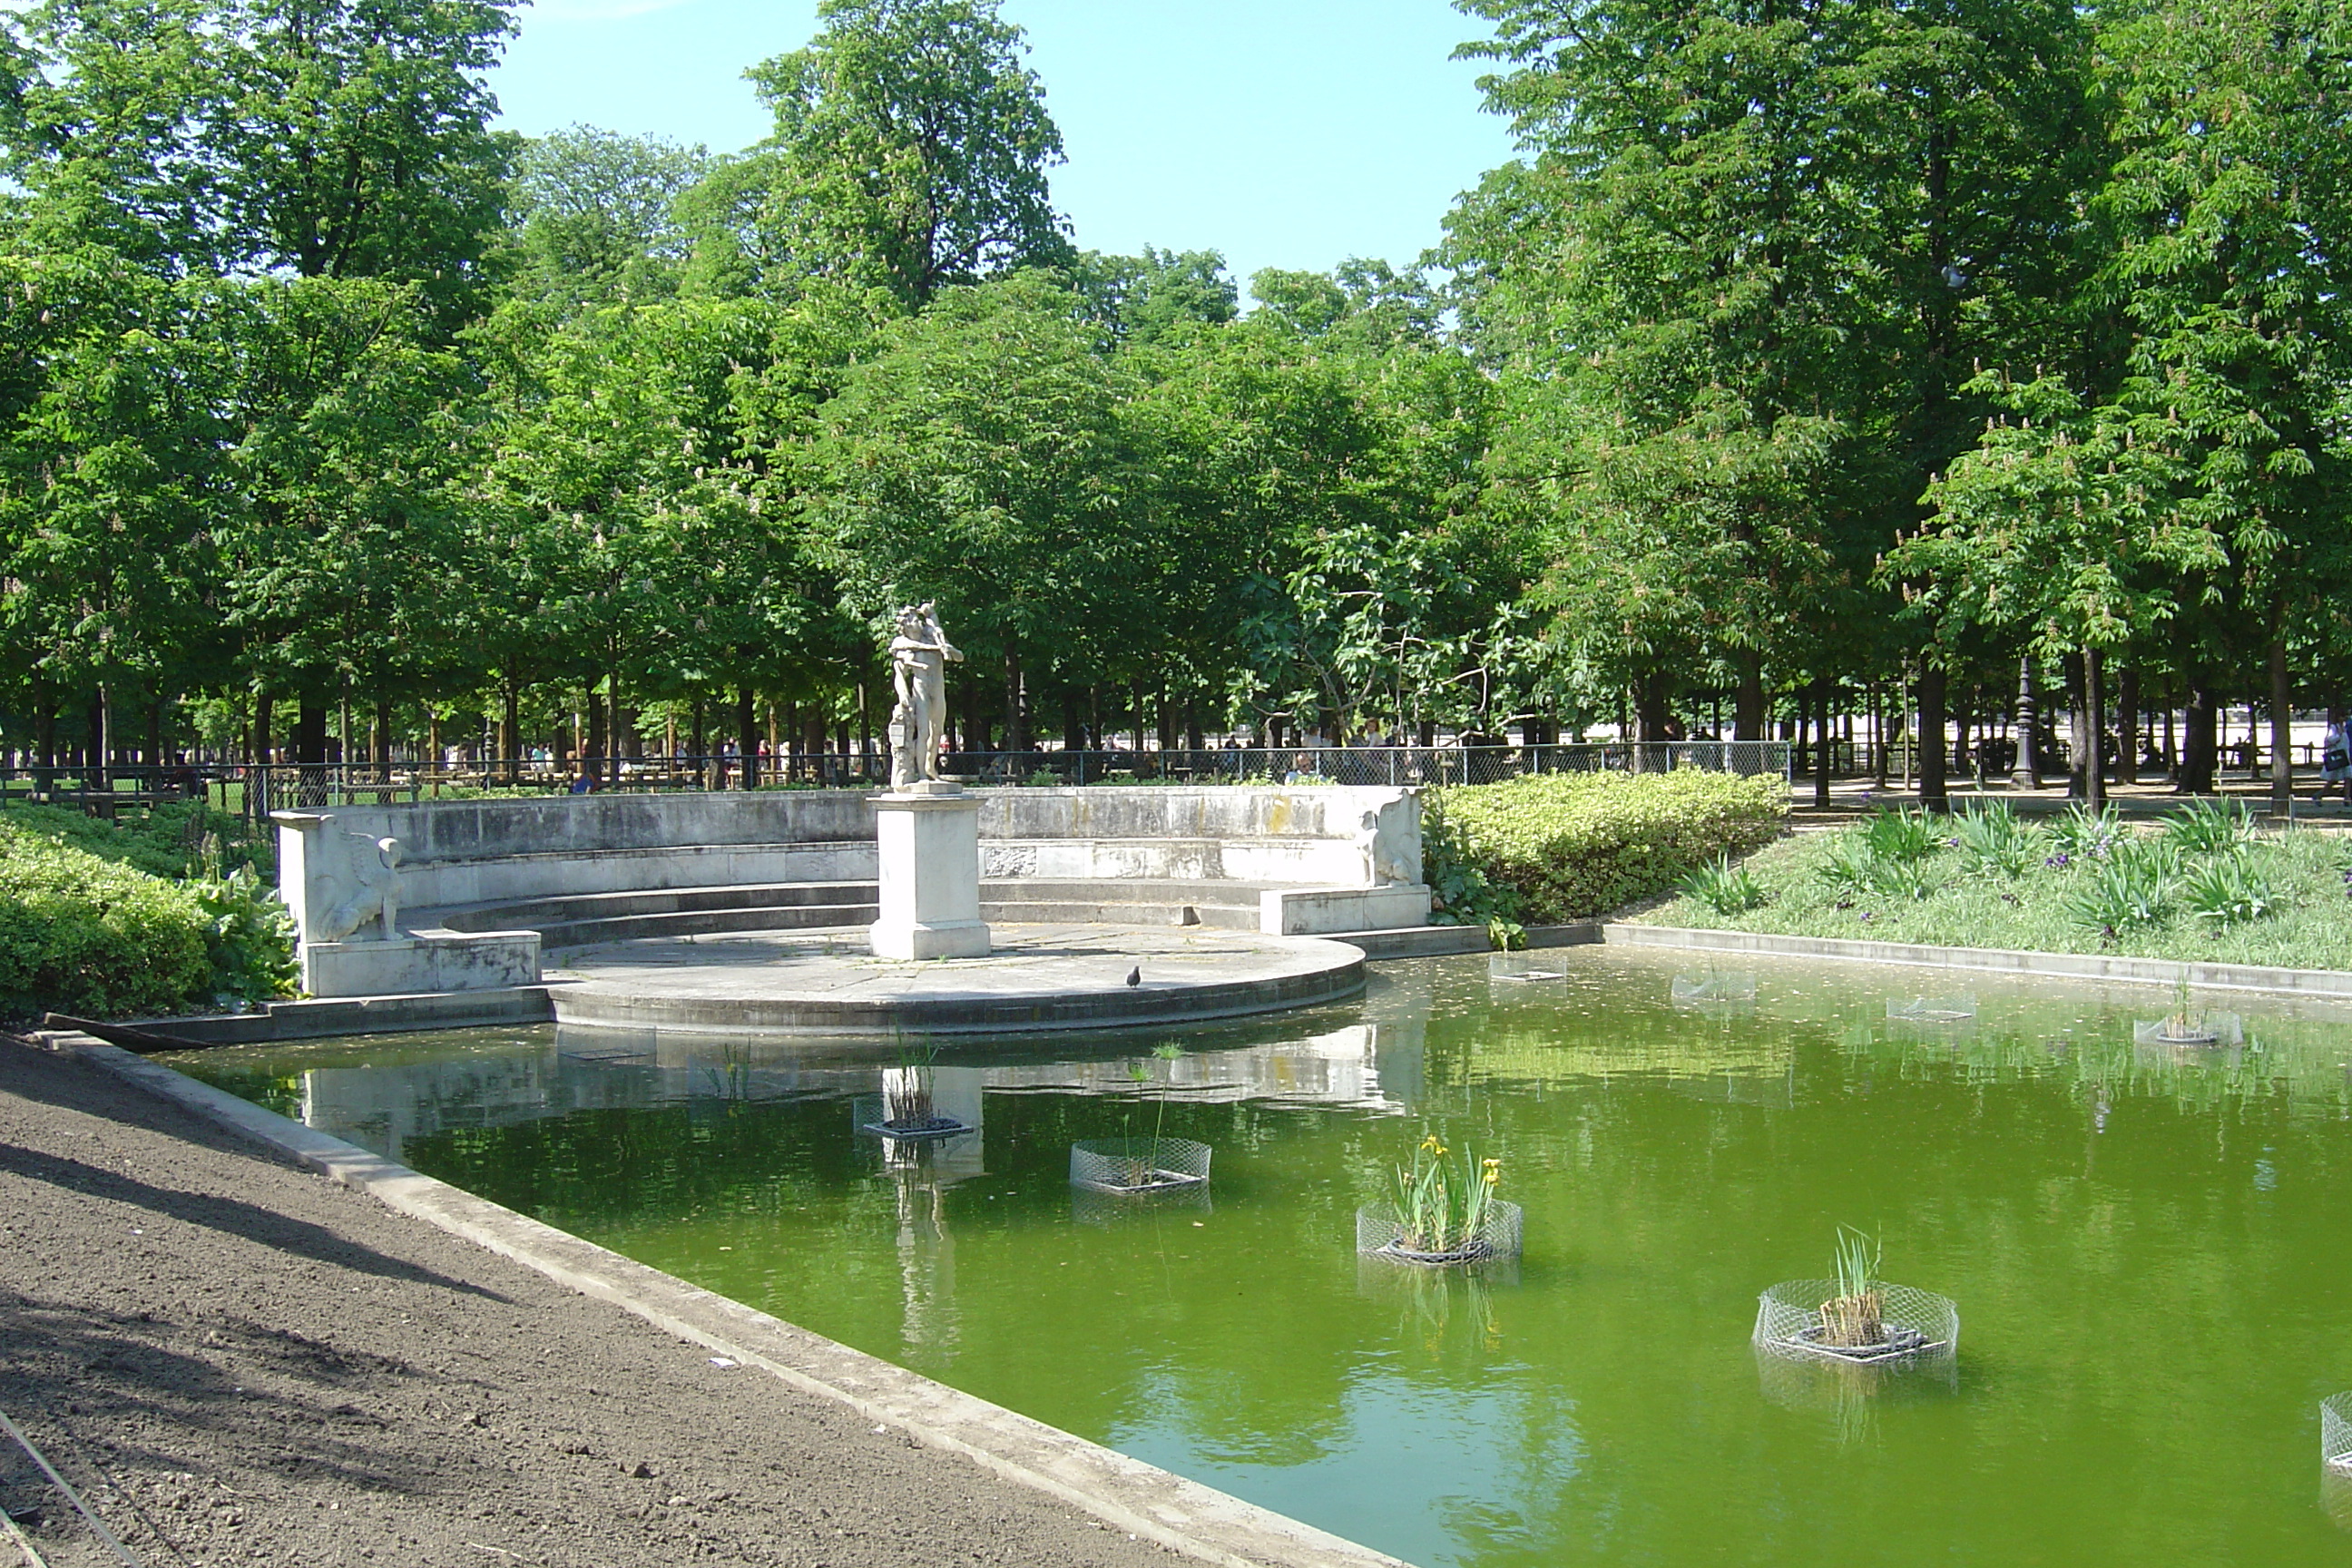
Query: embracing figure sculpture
column 919, row 655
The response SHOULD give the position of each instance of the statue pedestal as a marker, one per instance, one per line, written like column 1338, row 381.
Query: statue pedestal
column 929, row 838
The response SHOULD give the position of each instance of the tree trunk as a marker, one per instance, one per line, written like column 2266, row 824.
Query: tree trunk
column 747, row 735
column 510, row 728
column 1747, row 703
column 2073, row 667
column 1652, row 707
column 258, row 753
column 1932, row 753
column 1821, row 745
column 2200, row 741
column 2090, row 730
column 2282, row 729
column 2127, row 726
column 310, row 752
column 1016, row 701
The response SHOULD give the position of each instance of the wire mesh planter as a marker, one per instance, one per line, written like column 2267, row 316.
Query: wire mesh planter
column 1131, row 1167
column 2190, row 1029
column 1380, row 1234
column 873, row 1113
column 1931, row 1009
column 2336, row 1432
column 1807, row 1320
column 1524, row 966
column 1714, row 987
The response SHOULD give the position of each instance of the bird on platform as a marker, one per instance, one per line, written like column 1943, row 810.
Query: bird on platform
column 1135, row 975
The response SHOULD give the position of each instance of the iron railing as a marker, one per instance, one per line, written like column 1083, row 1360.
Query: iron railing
column 255, row 790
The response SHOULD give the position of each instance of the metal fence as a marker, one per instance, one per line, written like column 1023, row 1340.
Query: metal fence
column 1400, row 765
column 255, row 790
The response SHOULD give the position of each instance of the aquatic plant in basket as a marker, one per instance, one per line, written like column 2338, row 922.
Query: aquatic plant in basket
column 1441, row 1208
column 2187, row 1024
column 1132, row 1165
column 908, row 1107
column 1854, row 1317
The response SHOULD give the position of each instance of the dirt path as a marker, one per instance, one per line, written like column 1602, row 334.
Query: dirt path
column 239, row 1363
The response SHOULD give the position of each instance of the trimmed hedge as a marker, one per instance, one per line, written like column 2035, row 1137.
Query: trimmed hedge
column 87, row 934
column 1569, row 846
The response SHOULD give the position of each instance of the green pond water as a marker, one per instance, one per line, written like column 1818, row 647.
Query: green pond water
column 2147, row 1246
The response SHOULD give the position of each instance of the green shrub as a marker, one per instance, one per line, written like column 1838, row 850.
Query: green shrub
column 85, row 934
column 1726, row 889
column 2132, row 888
column 2082, row 834
column 1854, row 872
column 1565, row 846
column 165, row 841
column 2229, row 890
column 2209, row 828
column 1994, row 842
column 1900, row 835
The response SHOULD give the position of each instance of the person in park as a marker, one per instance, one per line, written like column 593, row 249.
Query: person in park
column 2336, row 756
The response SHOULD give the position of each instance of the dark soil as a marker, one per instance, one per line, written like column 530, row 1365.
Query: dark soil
column 236, row 1361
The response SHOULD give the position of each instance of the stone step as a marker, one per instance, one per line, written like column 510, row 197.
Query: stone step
column 532, row 913
column 705, row 923
column 1072, row 911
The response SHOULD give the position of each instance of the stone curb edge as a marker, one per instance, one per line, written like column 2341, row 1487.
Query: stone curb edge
column 1124, row 1492
column 2323, row 984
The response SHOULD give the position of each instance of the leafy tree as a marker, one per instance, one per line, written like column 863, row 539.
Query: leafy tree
column 594, row 215
column 102, row 104
column 1154, row 297
column 355, row 139
column 914, row 146
column 1763, row 228
column 979, row 459
column 2058, row 526
column 109, row 481
column 339, row 561
column 2227, row 209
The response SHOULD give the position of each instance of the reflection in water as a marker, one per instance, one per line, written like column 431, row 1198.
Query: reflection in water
column 2335, row 1496
column 1090, row 1207
column 2081, row 1198
column 1442, row 1312
column 920, row 1181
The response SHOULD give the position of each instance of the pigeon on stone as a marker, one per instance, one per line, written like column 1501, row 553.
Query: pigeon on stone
column 1135, row 975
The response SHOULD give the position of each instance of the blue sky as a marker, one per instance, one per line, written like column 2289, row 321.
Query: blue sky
column 1284, row 132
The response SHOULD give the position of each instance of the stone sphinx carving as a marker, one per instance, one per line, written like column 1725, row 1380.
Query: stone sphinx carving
column 919, row 655
column 1388, row 836
column 371, row 893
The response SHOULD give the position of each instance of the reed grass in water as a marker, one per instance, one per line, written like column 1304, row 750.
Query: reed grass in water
column 1854, row 1317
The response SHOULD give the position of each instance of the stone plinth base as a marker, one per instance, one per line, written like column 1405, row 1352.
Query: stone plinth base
column 420, row 962
column 928, row 853
column 1323, row 911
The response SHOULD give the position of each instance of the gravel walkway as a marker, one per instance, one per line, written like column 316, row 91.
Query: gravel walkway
column 236, row 1361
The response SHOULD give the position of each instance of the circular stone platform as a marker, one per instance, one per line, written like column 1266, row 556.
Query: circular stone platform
column 1038, row 977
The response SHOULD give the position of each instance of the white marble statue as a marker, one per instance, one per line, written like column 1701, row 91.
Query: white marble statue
column 919, row 655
